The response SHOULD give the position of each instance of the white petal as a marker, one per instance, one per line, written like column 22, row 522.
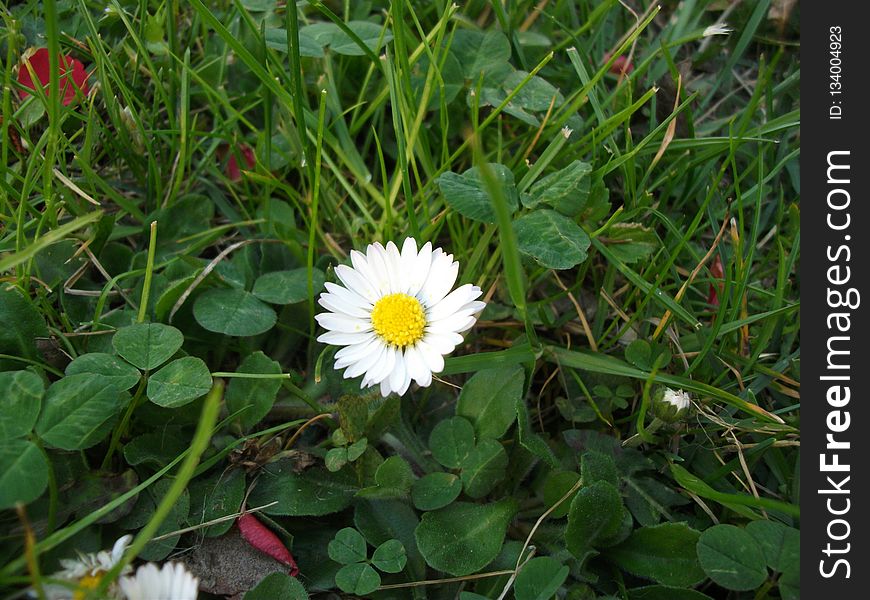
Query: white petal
column 385, row 388
column 415, row 365
column 443, row 342
column 453, row 301
column 357, row 351
column 408, row 262
column 119, row 548
column 337, row 338
column 342, row 323
column 366, row 269
column 433, row 359
column 376, row 256
column 427, row 379
column 335, row 304
column 442, row 276
column 367, row 361
column 382, row 369
column 399, row 373
column 453, row 323
column 394, row 269
column 348, row 296
column 420, row 270
column 355, row 282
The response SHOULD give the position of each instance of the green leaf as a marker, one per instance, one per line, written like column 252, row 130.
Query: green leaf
column 147, row 345
column 595, row 514
column 335, row 459
column 530, row 440
column 598, row 466
column 649, row 499
column 539, row 579
column 661, row 553
column 22, row 399
column 157, row 550
column 483, row 468
column 219, row 495
column 481, row 53
column 359, row 579
column 383, row 520
column 732, row 558
column 75, row 408
column 536, row 95
column 315, row 492
column 180, row 382
column 287, row 287
column 467, row 194
column 639, row 353
column 355, row 450
column 552, row 239
column 435, row 490
column 23, row 472
column 22, row 324
column 329, row 34
column 565, row 190
column 393, row 479
column 779, row 543
column 488, row 400
column 124, row 375
column 155, row 448
column 557, row 484
column 255, row 397
column 353, row 415
column 390, row 557
column 790, row 583
column 631, row 242
column 451, row 441
column 463, row 538
column 347, row 547
column 276, row 39
column 233, row 312
column 665, row 592
column 277, row 585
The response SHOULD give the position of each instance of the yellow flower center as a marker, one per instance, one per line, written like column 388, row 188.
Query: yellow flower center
column 399, row 319
column 86, row 584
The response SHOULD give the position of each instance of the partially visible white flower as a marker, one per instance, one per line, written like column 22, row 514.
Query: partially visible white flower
column 394, row 315
column 671, row 405
column 94, row 564
column 85, row 572
column 717, row 29
column 680, row 399
column 171, row 582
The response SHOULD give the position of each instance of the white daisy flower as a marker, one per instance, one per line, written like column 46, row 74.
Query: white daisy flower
column 171, row 582
column 85, row 572
column 394, row 315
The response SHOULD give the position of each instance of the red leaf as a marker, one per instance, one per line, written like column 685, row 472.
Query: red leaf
column 621, row 65
column 72, row 75
column 261, row 537
column 233, row 171
column 718, row 272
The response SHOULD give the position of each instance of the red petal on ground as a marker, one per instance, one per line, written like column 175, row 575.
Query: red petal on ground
column 261, row 537
column 72, row 75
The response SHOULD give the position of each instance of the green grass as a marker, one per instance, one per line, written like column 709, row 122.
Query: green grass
column 351, row 146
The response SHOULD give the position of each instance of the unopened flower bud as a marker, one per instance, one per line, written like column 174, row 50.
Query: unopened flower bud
column 671, row 405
